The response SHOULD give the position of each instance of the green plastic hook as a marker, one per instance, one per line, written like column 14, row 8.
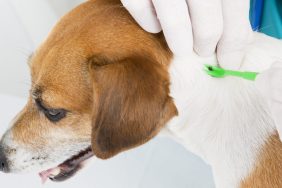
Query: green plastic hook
column 218, row 72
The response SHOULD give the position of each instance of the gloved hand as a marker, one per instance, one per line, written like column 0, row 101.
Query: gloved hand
column 270, row 85
column 205, row 25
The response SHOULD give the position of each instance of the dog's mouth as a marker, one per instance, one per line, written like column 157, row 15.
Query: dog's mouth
column 68, row 168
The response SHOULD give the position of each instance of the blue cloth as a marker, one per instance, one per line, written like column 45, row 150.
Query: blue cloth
column 256, row 13
column 266, row 17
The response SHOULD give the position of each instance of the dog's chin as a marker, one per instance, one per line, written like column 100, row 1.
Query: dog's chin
column 68, row 168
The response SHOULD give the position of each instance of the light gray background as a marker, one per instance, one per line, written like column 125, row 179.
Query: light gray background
column 158, row 164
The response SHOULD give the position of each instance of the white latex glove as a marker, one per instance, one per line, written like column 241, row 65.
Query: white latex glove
column 202, row 25
column 270, row 85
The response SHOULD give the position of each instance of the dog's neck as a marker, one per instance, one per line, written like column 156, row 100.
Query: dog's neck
column 224, row 121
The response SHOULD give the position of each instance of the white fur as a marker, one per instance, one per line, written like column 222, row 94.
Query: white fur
column 32, row 157
column 223, row 120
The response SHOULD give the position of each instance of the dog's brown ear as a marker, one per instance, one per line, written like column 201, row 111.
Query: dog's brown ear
column 131, row 103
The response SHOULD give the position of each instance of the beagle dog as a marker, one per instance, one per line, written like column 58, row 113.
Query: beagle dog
column 102, row 85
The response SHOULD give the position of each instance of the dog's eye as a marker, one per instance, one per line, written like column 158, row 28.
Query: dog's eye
column 55, row 115
column 52, row 114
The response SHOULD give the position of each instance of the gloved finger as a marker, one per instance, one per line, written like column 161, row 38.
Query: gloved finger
column 207, row 23
column 277, row 65
column 276, row 87
column 276, row 111
column 144, row 13
column 175, row 22
column 269, row 82
column 275, row 81
column 237, row 33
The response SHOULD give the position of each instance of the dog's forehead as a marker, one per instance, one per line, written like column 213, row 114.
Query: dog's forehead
column 59, row 80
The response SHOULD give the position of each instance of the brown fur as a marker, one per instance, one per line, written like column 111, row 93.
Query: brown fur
column 268, row 171
column 127, row 89
column 131, row 103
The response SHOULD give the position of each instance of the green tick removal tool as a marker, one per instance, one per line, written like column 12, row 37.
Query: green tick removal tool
column 218, row 72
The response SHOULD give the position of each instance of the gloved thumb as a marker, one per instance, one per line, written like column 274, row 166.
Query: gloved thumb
column 269, row 83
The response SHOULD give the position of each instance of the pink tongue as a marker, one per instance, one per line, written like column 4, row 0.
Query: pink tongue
column 46, row 174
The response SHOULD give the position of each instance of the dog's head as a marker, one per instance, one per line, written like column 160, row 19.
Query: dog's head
column 99, row 86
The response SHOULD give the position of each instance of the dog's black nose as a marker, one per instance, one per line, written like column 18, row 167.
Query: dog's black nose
column 3, row 161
